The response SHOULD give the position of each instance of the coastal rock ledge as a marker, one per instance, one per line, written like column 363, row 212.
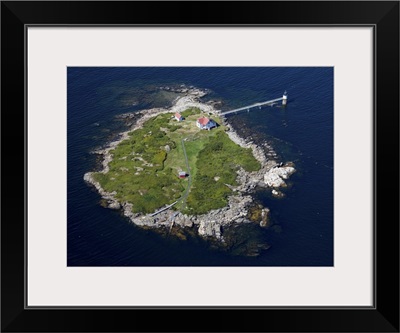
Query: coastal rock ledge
column 240, row 202
column 276, row 175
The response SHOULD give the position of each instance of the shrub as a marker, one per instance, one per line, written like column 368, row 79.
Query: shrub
column 190, row 112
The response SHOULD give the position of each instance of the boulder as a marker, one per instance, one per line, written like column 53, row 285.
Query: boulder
column 188, row 223
column 276, row 175
column 265, row 218
column 272, row 179
column 284, row 171
column 114, row 205
column 277, row 194
column 210, row 229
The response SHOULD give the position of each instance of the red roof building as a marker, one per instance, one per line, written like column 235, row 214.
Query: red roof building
column 205, row 123
column 178, row 116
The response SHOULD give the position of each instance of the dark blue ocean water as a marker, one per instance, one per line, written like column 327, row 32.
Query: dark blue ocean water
column 302, row 132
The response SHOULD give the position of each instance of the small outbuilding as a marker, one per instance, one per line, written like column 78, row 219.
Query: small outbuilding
column 178, row 116
column 205, row 123
column 182, row 174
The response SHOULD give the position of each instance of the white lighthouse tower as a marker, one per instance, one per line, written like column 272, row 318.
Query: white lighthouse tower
column 284, row 98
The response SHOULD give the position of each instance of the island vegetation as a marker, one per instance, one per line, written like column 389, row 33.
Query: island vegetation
column 145, row 166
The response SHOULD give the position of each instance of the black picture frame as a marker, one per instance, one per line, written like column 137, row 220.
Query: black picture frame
column 383, row 16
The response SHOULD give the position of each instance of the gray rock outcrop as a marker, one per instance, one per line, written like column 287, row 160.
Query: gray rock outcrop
column 276, row 176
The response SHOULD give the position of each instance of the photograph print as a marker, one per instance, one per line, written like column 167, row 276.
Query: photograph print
column 200, row 166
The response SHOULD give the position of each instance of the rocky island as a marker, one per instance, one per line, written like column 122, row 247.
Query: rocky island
column 185, row 167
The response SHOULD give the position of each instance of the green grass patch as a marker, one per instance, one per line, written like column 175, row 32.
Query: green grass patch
column 216, row 166
column 190, row 112
column 137, row 171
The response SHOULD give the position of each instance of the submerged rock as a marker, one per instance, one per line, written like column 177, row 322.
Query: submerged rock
column 260, row 215
column 277, row 194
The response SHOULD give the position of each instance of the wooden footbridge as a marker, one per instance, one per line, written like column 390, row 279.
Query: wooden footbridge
column 259, row 105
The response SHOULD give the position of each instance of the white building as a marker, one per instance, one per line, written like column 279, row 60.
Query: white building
column 205, row 123
column 178, row 116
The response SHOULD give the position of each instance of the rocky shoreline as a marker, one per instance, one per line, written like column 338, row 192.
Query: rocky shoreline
column 240, row 204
